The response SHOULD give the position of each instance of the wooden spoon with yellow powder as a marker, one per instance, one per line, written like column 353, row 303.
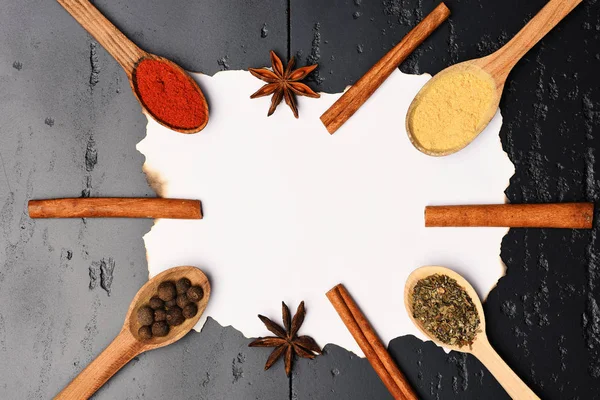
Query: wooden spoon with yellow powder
column 459, row 102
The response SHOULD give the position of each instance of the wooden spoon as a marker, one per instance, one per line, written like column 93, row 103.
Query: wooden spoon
column 494, row 69
column 481, row 347
column 128, row 55
column 127, row 344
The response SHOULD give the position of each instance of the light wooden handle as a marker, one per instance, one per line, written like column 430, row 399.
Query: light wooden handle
column 562, row 215
column 112, row 359
column 514, row 386
column 113, row 40
column 543, row 22
column 360, row 92
column 116, row 208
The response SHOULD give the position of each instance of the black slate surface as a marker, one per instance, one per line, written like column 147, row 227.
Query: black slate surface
column 70, row 124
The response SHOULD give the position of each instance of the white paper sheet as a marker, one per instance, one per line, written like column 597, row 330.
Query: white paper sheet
column 290, row 210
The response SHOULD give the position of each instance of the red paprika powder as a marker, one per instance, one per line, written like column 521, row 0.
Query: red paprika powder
column 170, row 95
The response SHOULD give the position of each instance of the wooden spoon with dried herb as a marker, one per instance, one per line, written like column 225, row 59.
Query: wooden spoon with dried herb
column 446, row 308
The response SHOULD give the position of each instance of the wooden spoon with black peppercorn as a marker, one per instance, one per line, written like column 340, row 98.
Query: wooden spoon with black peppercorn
column 129, row 343
column 480, row 346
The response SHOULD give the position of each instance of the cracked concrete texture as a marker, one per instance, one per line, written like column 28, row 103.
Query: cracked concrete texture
column 69, row 128
column 50, row 320
column 69, row 125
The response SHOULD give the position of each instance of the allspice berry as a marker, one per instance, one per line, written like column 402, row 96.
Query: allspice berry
column 183, row 285
column 195, row 293
column 145, row 315
column 190, row 311
column 171, row 303
column 156, row 303
column 145, row 332
column 175, row 316
column 160, row 329
column 160, row 314
column 167, row 291
column 182, row 300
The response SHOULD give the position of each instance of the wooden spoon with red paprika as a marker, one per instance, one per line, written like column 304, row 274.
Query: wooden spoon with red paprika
column 162, row 87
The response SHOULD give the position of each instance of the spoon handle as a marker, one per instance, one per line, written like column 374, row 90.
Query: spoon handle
column 113, row 40
column 122, row 349
column 514, row 386
column 505, row 59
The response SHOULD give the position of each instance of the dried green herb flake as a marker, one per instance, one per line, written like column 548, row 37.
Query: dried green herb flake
column 445, row 310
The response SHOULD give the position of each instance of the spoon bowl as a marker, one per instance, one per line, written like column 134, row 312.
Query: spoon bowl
column 150, row 289
column 424, row 272
column 485, row 112
column 494, row 70
column 201, row 100
column 128, row 344
column 480, row 347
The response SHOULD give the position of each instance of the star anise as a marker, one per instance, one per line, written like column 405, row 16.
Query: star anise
column 287, row 343
column 283, row 84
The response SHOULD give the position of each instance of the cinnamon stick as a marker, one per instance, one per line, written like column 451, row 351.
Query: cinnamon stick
column 360, row 92
column 369, row 342
column 562, row 215
column 116, row 208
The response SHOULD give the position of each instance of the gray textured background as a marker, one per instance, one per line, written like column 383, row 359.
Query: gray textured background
column 69, row 125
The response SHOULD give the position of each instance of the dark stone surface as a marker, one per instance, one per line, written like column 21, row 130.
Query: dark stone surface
column 69, row 125
column 433, row 374
column 204, row 36
column 543, row 317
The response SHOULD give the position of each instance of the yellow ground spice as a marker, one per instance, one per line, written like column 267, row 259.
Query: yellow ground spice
column 448, row 113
